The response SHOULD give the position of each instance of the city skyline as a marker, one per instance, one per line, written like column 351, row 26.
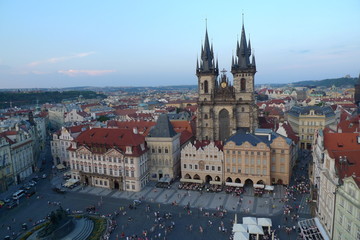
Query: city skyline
column 85, row 43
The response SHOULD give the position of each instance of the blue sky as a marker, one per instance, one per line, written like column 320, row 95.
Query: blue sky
column 153, row 43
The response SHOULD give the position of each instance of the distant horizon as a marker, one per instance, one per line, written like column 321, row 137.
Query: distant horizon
column 58, row 44
column 153, row 86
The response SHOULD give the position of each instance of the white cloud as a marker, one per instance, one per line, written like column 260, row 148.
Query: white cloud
column 60, row 59
column 73, row 73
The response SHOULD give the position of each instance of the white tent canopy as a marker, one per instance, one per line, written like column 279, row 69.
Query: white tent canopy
column 265, row 222
column 250, row 220
column 232, row 184
column 269, row 188
column 191, row 180
column 241, row 236
column 259, row 185
column 216, row 182
column 255, row 229
column 240, row 227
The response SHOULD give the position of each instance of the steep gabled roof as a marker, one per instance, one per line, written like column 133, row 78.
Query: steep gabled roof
column 163, row 128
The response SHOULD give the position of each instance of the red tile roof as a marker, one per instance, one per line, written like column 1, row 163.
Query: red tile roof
column 185, row 137
column 344, row 146
column 204, row 143
column 349, row 125
column 103, row 139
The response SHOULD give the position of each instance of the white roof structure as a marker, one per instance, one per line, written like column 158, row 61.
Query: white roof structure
column 269, row 188
column 255, row 229
column 265, row 222
column 241, row 236
column 250, row 220
column 240, row 227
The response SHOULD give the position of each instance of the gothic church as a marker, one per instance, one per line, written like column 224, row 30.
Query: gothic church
column 224, row 108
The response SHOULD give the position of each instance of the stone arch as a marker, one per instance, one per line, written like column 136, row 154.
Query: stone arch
column 208, row 178
column 243, row 84
column 206, row 86
column 249, row 182
column 224, row 124
column 260, row 182
column 237, row 180
column 229, row 179
column 187, row 176
column 217, row 178
column 280, row 181
column 197, row 177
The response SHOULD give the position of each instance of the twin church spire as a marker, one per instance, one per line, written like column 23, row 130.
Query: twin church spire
column 241, row 61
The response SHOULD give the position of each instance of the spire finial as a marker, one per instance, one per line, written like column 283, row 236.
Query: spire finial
column 206, row 23
column 243, row 17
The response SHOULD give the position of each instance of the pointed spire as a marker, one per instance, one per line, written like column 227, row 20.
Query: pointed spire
column 253, row 63
column 207, row 62
column 197, row 63
column 249, row 47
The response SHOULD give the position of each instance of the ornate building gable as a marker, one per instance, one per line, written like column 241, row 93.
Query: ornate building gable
column 114, row 153
column 83, row 150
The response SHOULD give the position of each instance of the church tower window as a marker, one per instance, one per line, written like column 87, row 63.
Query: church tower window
column 243, row 84
column 206, row 87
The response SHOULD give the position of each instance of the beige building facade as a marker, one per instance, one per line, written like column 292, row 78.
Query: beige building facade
column 260, row 158
column 202, row 161
column 164, row 150
column 306, row 120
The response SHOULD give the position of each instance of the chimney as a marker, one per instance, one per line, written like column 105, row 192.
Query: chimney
column 135, row 130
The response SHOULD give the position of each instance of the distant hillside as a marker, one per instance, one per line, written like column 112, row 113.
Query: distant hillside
column 32, row 98
column 337, row 82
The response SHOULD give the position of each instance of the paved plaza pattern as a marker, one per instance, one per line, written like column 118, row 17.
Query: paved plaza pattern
column 269, row 204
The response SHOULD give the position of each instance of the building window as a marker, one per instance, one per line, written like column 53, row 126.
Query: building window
column 282, row 169
column 190, row 166
column 219, row 169
column 132, row 174
column 264, row 171
column 166, row 150
column 131, row 161
column 133, row 187
column 264, row 162
column 184, row 165
column 239, row 160
column 207, row 168
column 105, row 183
column 273, row 168
column 239, row 170
column 258, row 162
column 159, row 150
column 234, row 170
column 196, row 166
column 348, row 227
column 228, row 170
column 213, row 168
